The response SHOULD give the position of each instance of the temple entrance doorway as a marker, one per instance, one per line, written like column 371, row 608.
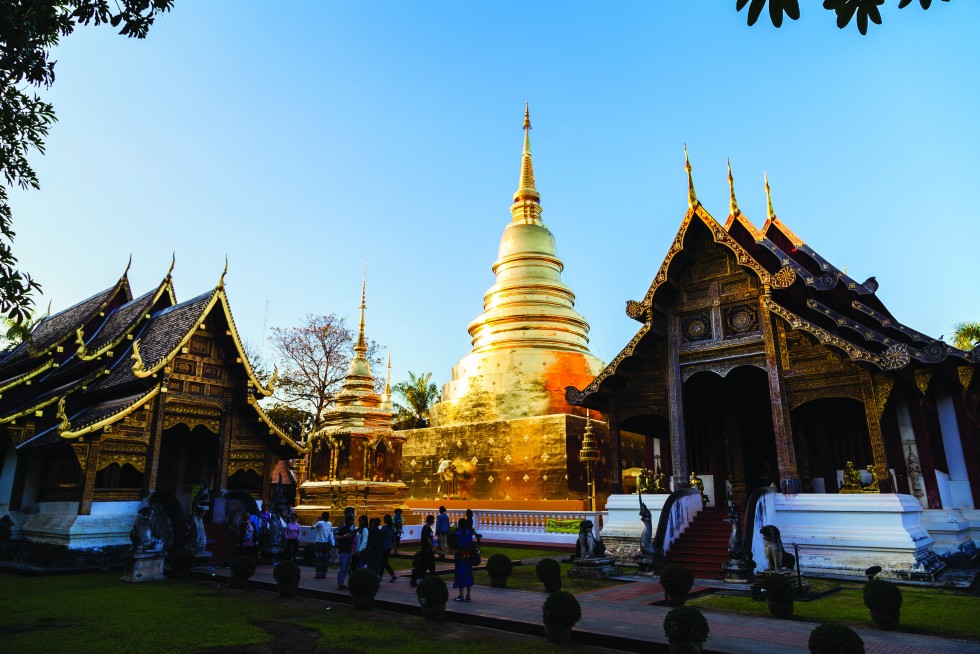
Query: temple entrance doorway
column 828, row 433
column 645, row 443
column 730, row 438
column 188, row 459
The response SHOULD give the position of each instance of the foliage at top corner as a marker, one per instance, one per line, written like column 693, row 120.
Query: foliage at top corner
column 29, row 29
column 846, row 10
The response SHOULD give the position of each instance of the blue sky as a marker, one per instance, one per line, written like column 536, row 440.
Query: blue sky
column 301, row 138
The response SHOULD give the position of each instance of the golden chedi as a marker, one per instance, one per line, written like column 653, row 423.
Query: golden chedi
column 502, row 421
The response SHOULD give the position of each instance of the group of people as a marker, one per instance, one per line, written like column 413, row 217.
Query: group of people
column 253, row 528
column 437, row 542
column 369, row 544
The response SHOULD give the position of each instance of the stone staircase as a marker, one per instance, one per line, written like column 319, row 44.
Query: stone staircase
column 703, row 546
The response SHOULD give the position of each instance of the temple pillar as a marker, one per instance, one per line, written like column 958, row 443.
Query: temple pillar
column 873, row 418
column 910, row 451
column 153, row 448
column 615, row 455
column 968, row 440
column 91, row 470
column 224, row 447
column 789, row 478
column 271, row 460
column 924, row 446
column 675, row 406
column 949, row 425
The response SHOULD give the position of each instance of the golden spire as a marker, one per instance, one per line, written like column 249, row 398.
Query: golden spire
column 527, row 193
column 692, row 197
column 732, row 202
column 173, row 262
column 221, row 280
column 361, row 347
column 770, row 214
column 386, row 398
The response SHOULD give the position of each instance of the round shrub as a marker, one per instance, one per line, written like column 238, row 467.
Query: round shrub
column 363, row 582
column 685, row 625
column 561, row 609
column 833, row 638
column 181, row 562
column 548, row 570
column 777, row 588
column 286, row 572
column 676, row 579
column 882, row 596
column 432, row 590
column 242, row 567
column 499, row 565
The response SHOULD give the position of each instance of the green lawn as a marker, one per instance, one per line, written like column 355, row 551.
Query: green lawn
column 98, row 614
column 924, row 610
column 524, row 578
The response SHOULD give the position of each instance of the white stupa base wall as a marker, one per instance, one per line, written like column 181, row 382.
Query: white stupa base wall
column 58, row 523
column 952, row 531
column 849, row 533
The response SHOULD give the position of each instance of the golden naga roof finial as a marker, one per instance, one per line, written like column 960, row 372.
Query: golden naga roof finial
column 732, row 202
column 128, row 264
column 221, row 280
column 770, row 214
column 173, row 262
column 692, row 197
column 138, row 365
column 526, row 190
column 80, row 340
column 271, row 384
column 63, row 423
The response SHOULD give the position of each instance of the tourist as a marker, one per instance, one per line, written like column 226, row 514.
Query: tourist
column 375, row 544
column 388, row 542
column 344, row 538
column 292, row 533
column 361, row 543
column 442, row 531
column 463, row 572
column 427, row 553
column 249, row 545
column 321, row 544
column 398, row 522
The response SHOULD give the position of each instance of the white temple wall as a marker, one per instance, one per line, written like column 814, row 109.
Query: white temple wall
column 960, row 494
column 58, row 523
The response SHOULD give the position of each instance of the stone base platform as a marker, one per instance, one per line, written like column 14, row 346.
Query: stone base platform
column 146, row 566
column 598, row 568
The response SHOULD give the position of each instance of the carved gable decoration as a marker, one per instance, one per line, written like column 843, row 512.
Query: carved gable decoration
column 192, row 415
column 803, row 353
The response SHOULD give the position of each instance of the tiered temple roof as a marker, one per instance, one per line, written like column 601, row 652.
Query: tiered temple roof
column 805, row 290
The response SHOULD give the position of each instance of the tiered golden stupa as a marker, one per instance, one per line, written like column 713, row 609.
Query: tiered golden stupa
column 502, row 429
column 355, row 458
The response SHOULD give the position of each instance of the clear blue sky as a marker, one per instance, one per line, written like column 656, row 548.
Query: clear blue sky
column 302, row 137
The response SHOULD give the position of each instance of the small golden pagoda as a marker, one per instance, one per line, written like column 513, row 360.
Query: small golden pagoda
column 355, row 457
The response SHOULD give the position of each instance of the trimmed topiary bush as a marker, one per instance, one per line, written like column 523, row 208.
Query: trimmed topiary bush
column 242, row 567
column 561, row 609
column 286, row 572
column 685, row 625
column 549, row 573
column 882, row 596
column 499, row 566
column 677, row 582
column 432, row 590
column 363, row 583
column 831, row 638
column 181, row 562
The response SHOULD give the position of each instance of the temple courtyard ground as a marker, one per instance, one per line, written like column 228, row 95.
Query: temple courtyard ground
column 96, row 612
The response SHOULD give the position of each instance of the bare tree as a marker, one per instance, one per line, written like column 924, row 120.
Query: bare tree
column 313, row 362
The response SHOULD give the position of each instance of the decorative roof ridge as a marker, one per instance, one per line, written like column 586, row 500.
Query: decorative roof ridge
column 139, row 367
column 66, row 431
column 575, row 397
column 274, row 428
column 17, row 380
column 46, row 399
column 895, row 357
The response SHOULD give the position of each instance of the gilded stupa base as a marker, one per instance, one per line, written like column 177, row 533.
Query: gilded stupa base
column 373, row 498
column 526, row 459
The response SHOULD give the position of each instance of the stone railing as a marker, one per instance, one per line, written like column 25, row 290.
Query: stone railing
column 677, row 513
column 517, row 526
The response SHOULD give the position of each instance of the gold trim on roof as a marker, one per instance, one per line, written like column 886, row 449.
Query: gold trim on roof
column 692, row 197
column 115, row 417
column 30, row 374
column 84, row 355
column 274, row 429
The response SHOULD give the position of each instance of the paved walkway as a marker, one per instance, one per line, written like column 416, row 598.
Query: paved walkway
column 619, row 617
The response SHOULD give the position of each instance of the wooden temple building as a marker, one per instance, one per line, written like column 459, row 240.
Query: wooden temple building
column 119, row 398
column 758, row 363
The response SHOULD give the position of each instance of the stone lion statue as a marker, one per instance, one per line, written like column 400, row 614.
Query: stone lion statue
column 587, row 546
column 773, row 547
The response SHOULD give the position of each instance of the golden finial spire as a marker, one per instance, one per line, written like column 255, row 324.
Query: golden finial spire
column 173, row 262
column 221, row 280
column 770, row 214
column 692, row 197
column 128, row 264
column 526, row 190
column 732, row 202
column 387, row 394
column 361, row 347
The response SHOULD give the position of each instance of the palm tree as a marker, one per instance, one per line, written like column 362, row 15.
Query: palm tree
column 966, row 335
column 419, row 393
